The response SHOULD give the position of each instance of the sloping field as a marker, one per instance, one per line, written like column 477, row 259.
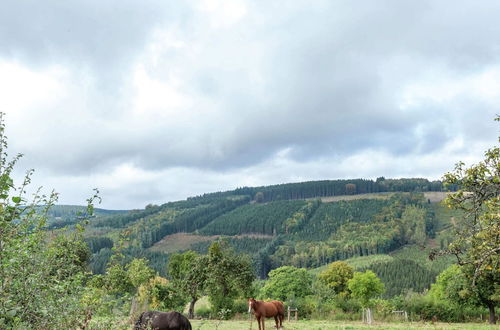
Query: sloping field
column 435, row 196
column 381, row 195
column 179, row 242
column 183, row 241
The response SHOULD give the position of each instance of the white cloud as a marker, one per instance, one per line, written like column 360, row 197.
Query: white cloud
column 22, row 88
column 157, row 98
column 222, row 13
column 165, row 101
column 444, row 87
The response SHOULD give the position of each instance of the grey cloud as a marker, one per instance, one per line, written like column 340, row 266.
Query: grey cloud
column 330, row 74
column 104, row 36
column 323, row 80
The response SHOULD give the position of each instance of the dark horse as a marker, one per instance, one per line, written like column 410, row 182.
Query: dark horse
column 162, row 321
column 263, row 310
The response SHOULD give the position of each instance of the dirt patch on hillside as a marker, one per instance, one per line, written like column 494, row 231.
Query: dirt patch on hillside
column 179, row 242
column 252, row 235
column 183, row 241
column 383, row 195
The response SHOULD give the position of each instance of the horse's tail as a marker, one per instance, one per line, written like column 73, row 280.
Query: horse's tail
column 280, row 306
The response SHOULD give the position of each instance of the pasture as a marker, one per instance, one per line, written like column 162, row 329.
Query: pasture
column 122, row 324
column 327, row 325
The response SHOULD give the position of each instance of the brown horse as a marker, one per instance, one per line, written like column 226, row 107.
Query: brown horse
column 263, row 310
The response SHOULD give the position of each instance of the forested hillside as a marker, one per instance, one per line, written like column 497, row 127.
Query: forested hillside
column 389, row 234
column 280, row 225
column 326, row 188
column 64, row 215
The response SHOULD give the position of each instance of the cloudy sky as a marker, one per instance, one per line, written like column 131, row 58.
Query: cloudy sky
column 153, row 101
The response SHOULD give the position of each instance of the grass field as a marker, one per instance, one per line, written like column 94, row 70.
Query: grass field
column 123, row 324
column 326, row 325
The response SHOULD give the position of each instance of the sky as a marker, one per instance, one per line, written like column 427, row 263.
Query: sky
column 156, row 101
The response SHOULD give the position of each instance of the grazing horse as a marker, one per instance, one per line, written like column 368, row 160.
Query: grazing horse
column 162, row 321
column 263, row 310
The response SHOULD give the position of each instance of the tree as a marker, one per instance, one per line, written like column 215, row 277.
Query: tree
column 287, row 282
column 38, row 273
column 412, row 225
column 116, row 280
column 159, row 293
column 189, row 275
column 259, row 197
column 477, row 240
column 366, row 286
column 450, row 285
column 336, row 277
column 228, row 276
column 139, row 272
column 350, row 189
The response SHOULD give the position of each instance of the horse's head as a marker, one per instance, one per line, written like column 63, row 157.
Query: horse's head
column 251, row 304
column 138, row 323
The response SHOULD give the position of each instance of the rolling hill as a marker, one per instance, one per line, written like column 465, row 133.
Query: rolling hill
column 307, row 224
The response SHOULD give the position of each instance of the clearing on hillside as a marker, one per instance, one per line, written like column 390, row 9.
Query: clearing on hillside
column 380, row 195
column 179, row 242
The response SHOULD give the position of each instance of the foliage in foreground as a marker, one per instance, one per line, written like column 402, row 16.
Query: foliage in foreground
column 477, row 240
column 38, row 275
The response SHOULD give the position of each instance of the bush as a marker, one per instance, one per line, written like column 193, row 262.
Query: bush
column 348, row 305
column 306, row 306
column 424, row 307
column 240, row 306
column 204, row 312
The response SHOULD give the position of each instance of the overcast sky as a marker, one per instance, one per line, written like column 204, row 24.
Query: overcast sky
column 154, row 101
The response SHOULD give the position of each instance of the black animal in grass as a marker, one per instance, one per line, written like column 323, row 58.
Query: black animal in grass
column 162, row 321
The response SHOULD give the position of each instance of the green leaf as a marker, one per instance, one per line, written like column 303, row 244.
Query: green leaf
column 11, row 313
column 16, row 199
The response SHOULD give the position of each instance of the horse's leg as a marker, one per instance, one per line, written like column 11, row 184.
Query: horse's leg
column 258, row 321
column 276, row 321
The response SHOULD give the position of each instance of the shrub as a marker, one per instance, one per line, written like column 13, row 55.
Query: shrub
column 204, row 312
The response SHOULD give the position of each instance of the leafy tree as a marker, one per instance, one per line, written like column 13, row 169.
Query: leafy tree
column 139, row 272
column 477, row 242
column 37, row 275
column 189, row 275
column 365, row 286
column 159, row 293
column 228, row 276
column 287, row 282
column 117, row 281
column 68, row 255
column 450, row 285
column 336, row 277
